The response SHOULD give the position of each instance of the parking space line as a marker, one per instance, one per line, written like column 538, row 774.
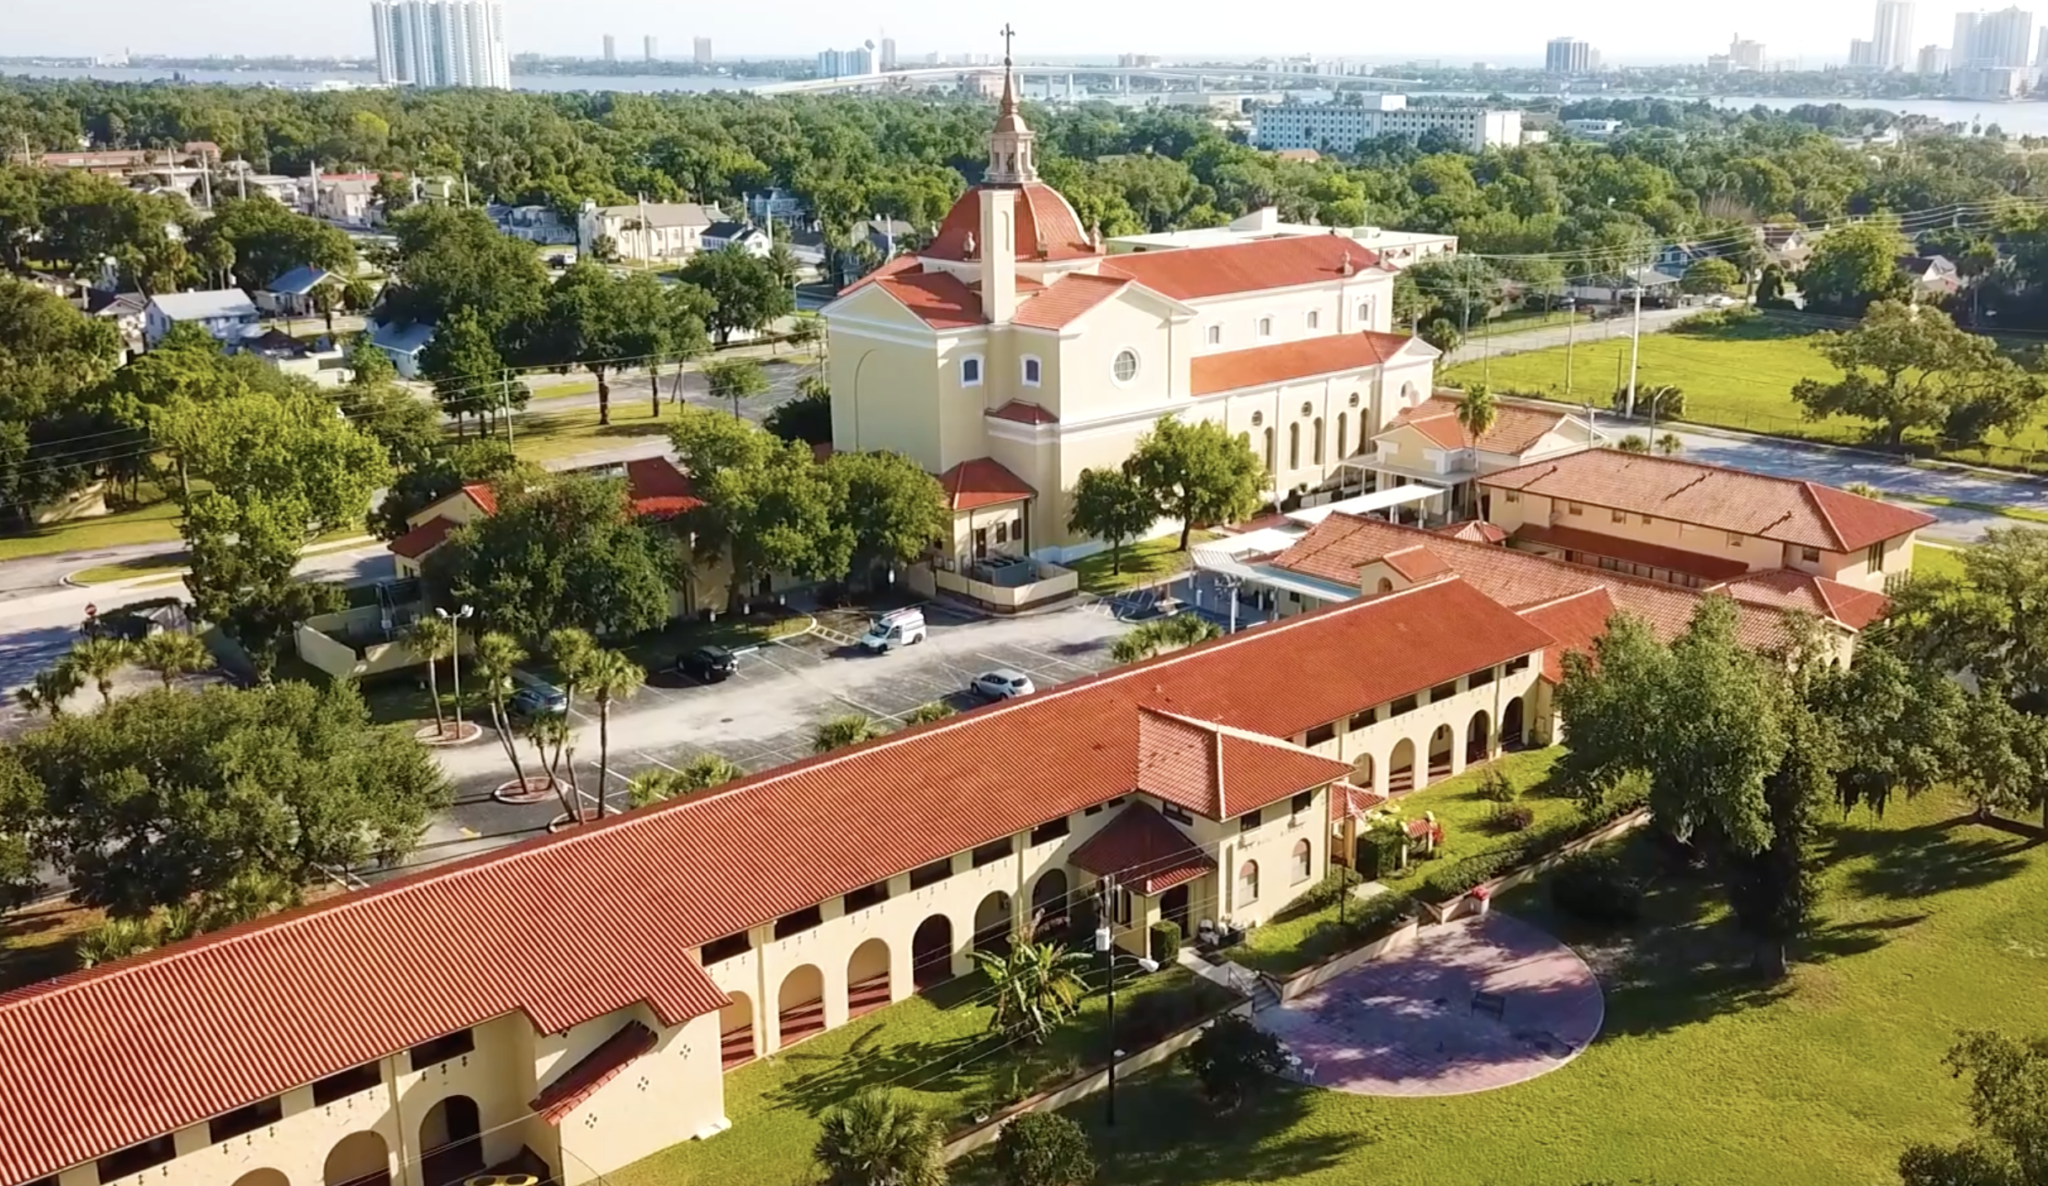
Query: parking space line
column 657, row 761
column 1083, row 668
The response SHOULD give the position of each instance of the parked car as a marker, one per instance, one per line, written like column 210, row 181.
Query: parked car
column 897, row 628
column 1004, row 683
column 539, row 700
column 708, row 664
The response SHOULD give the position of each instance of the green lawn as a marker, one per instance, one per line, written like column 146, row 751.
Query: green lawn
column 1738, row 377
column 154, row 522
column 935, row 1047
column 1932, row 560
column 1702, row 1075
column 547, row 435
column 1142, row 563
column 1288, row 944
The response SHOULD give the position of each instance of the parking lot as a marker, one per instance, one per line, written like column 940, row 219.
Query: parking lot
column 766, row 714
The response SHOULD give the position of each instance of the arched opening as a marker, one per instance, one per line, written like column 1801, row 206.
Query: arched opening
column 1478, row 742
column 1049, row 901
column 931, row 952
column 1386, row 585
column 800, row 1005
column 1440, row 743
column 1319, row 440
column 867, row 978
column 1511, row 727
column 992, row 924
column 358, row 1159
column 451, row 1141
column 1343, row 435
column 736, row 1031
column 1294, row 446
column 1362, row 771
column 1409, row 396
column 1271, row 457
column 1247, row 884
column 263, row 1178
column 1401, row 767
column 1303, row 860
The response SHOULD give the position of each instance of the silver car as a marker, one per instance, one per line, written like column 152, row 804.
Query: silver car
column 1004, row 683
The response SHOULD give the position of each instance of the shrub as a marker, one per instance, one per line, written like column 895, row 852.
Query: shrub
column 1323, row 893
column 1231, row 1057
column 1044, row 1149
column 1497, row 786
column 1512, row 817
column 924, row 714
column 1157, row 1012
column 1597, row 888
column 1166, row 941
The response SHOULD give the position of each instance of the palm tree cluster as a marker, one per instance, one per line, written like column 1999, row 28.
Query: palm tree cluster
column 97, row 659
column 605, row 676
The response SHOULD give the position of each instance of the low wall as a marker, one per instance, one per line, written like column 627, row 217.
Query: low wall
column 319, row 646
column 1465, row 904
column 967, row 1140
column 1008, row 599
column 1312, row 978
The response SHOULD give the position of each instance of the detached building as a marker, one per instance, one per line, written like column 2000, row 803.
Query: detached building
column 226, row 314
column 646, row 230
column 1339, row 127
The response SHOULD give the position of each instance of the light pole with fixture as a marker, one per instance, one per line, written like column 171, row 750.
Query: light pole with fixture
column 455, row 621
column 1105, row 944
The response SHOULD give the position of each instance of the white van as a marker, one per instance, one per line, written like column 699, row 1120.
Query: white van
column 897, row 628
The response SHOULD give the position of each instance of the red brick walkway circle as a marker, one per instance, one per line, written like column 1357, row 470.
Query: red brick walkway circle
column 1407, row 1025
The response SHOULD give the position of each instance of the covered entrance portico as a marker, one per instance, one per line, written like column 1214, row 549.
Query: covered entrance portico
column 1151, row 870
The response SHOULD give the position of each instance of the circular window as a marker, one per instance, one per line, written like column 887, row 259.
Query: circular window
column 1308, row 409
column 1125, row 367
column 1354, row 399
column 1258, row 418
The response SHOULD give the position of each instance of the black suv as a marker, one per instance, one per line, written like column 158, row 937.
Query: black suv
column 708, row 664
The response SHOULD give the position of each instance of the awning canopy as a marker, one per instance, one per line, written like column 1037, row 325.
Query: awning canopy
column 1366, row 504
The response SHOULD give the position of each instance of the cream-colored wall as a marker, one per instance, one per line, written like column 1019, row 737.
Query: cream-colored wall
column 885, row 374
column 1405, row 445
column 1281, row 408
column 458, row 508
column 1854, row 568
column 666, row 1096
column 1336, row 305
column 1756, row 553
column 1271, row 845
column 1088, row 390
column 1378, row 740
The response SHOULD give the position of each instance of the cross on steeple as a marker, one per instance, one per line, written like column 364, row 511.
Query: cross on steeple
column 1007, row 34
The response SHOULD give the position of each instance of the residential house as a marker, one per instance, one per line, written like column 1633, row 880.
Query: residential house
column 1932, row 276
column 671, row 231
column 1657, row 287
column 535, row 224
column 128, row 311
column 402, row 344
column 321, row 361
column 744, row 236
column 1426, row 445
column 425, row 1030
column 777, row 205
column 226, row 314
column 348, row 199
column 1685, row 523
column 1013, row 352
column 1788, row 246
column 291, row 294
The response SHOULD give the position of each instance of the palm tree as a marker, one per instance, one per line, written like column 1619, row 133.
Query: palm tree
column 99, row 660
column 1034, row 985
column 1670, row 445
column 496, row 655
column 573, row 650
column 51, row 687
column 172, row 653
column 704, row 772
column 840, row 732
column 610, row 675
column 548, row 734
column 879, row 1139
column 432, row 638
column 1477, row 411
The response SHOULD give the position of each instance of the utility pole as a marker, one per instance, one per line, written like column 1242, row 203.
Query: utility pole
column 1571, row 337
column 506, row 400
column 1635, row 345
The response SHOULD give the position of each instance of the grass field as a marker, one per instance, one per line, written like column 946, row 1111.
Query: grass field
column 1702, row 1075
column 1932, row 560
column 1740, row 377
column 1145, row 562
column 548, row 435
column 153, row 523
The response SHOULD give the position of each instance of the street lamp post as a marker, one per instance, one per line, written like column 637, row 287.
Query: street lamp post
column 1105, row 944
column 455, row 621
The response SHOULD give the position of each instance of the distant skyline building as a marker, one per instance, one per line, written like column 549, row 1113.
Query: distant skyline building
column 2002, row 40
column 1569, row 55
column 703, row 51
column 888, row 55
column 1964, row 38
column 441, row 43
column 1862, row 54
column 1933, row 61
column 611, row 48
column 652, row 46
column 846, row 63
column 1892, row 38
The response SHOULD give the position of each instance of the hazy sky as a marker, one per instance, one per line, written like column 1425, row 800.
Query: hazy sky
column 1465, row 30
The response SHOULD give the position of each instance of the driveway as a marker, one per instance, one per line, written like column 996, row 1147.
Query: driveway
column 765, row 715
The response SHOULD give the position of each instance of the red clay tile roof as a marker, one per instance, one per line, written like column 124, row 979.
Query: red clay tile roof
column 100, row 1060
column 1218, row 771
column 1333, row 550
column 895, row 267
column 939, row 299
column 424, row 538
column 1058, row 305
column 1047, row 227
column 983, row 482
column 485, row 497
column 1614, row 547
column 1023, row 412
column 1262, row 365
column 1788, row 588
column 658, row 488
column 1783, row 509
column 592, row 1071
column 1574, row 621
column 1194, row 272
column 1416, row 563
column 1475, row 531
column 1140, row 840
column 1515, row 427
column 1352, row 802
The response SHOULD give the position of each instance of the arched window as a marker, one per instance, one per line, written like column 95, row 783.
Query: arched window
column 1270, row 457
column 1265, row 327
column 1343, row 438
column 1365, row 312
column 1315, row 319
column 1294, row 446
column 1032, row 370
column 1386, row 586
column 1215, row 335
column 970, row 371
column 1319, row 441
column 1303, row 858
column 1248, row 883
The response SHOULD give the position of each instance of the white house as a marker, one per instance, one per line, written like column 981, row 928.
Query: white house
column 402, row 345
column 225, row 313
column 646, row 230
column 745, row 236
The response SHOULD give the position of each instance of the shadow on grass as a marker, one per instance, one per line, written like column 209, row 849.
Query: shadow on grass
column 1930, row 859
column 824, row 1076
column 1168, row 1135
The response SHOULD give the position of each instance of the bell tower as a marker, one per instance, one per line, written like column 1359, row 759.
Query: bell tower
column 1010, row 144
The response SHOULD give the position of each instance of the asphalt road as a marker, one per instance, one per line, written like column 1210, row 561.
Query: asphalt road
column 1480, row 347
column 765, row 715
